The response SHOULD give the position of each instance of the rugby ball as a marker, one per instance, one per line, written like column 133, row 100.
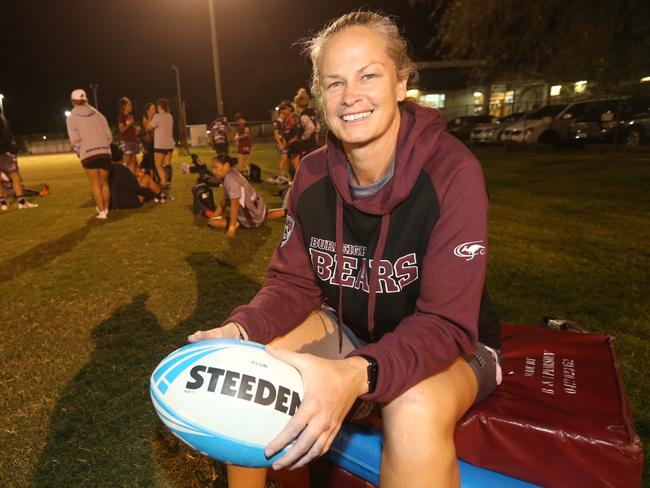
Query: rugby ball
column 226, row 398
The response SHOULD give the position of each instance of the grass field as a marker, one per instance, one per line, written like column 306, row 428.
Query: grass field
column 90, row 307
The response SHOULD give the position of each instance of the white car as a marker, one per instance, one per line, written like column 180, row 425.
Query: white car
column 489, row 133
column 532, row 125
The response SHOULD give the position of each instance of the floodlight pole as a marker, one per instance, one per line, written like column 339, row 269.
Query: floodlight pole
column 181, row 113
column 215, row 58
column 94, row 87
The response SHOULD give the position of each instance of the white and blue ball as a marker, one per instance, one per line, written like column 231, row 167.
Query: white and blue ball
column 226, row 398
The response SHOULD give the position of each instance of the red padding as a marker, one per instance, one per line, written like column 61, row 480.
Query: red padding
column 324, row 474
column 560, row 417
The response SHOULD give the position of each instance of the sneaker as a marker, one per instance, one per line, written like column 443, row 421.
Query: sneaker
column 4, row 206
column 27, row 205
column 102, row 215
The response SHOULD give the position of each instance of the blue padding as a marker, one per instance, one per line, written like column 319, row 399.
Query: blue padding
column 357, row 449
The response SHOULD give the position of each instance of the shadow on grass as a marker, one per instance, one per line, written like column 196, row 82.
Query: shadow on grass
column 38, row 256
column 104, row 431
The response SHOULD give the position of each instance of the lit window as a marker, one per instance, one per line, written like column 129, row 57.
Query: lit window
column 645, row 79
column 555, row 90
column 436, row 100
column 509, row 96
column 413, row 93
column 580, row 86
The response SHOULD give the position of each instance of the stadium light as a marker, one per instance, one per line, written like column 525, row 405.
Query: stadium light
column 2, row 109
column 67, row 113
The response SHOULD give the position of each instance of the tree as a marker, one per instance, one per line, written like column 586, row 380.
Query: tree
column 555, row 40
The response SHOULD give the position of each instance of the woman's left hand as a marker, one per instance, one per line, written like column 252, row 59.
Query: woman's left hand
column 331, row 388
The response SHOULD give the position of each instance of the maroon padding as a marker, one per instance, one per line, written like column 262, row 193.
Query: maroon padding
column 560, row 417
column 324, row 474
column 320, row 474
column 298, row 478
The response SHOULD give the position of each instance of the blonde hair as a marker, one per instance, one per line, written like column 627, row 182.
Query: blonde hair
column 396, row 45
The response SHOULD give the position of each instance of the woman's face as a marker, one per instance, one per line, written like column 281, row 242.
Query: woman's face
column 360, row 87
column 151, row 110
column 128, row 107
column 220, row 169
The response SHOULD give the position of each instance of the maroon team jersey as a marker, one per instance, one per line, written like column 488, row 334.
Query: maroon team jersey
column 129, row 135
column 244, row 139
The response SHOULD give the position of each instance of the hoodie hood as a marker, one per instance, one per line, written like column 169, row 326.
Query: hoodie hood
column 419, row 130
column 84, row 111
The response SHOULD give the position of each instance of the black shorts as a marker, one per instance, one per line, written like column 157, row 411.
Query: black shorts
column 221, row 148
column 98, row 163
column 164, row 152
column 294, row 149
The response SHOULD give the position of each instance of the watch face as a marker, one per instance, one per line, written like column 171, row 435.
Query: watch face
column 373, row 369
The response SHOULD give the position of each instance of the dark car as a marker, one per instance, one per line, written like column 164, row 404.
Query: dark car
column 629, row 124
column 637, row 131
column 583, row 121
column 461, row 127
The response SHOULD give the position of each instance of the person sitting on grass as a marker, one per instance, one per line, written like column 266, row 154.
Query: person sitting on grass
column 9, row 166
column 129, row 191
column 247, row 207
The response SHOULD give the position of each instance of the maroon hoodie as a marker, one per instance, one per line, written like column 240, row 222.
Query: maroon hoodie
column 413, row 256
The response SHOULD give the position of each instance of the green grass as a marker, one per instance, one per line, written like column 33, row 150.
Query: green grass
column 89, row 307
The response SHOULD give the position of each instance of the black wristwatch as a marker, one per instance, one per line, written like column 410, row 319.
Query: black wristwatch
column 373, row 372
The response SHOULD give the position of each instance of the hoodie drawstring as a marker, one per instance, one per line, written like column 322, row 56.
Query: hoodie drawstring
column 339, row 266
column 374, row 269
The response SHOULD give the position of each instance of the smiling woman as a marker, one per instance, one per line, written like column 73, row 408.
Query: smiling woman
column 365, row 294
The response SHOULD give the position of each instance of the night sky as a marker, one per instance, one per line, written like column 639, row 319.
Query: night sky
column 128, row 47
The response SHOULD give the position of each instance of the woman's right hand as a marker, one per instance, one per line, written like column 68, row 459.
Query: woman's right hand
column 227, row 331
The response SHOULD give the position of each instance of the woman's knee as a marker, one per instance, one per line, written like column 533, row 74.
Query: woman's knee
column 436, row 402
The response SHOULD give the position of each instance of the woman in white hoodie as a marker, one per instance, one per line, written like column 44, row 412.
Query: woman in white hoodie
column 91, row 139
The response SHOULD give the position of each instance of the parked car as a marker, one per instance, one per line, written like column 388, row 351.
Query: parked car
column 531, row 126
column 461, row 127
column 489, row 133
column 637, row 131
column 628, row 123
column 583, row 120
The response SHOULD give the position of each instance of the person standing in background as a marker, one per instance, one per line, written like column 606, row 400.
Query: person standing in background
column 309, row 125
column 128, row 135
column 163, row 142
column 91, row 139
column 219, row 133
column 147, row 165
column 244, row 142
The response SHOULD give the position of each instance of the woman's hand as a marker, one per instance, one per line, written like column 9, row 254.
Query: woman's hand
column 227, row 331
column 331, row 388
